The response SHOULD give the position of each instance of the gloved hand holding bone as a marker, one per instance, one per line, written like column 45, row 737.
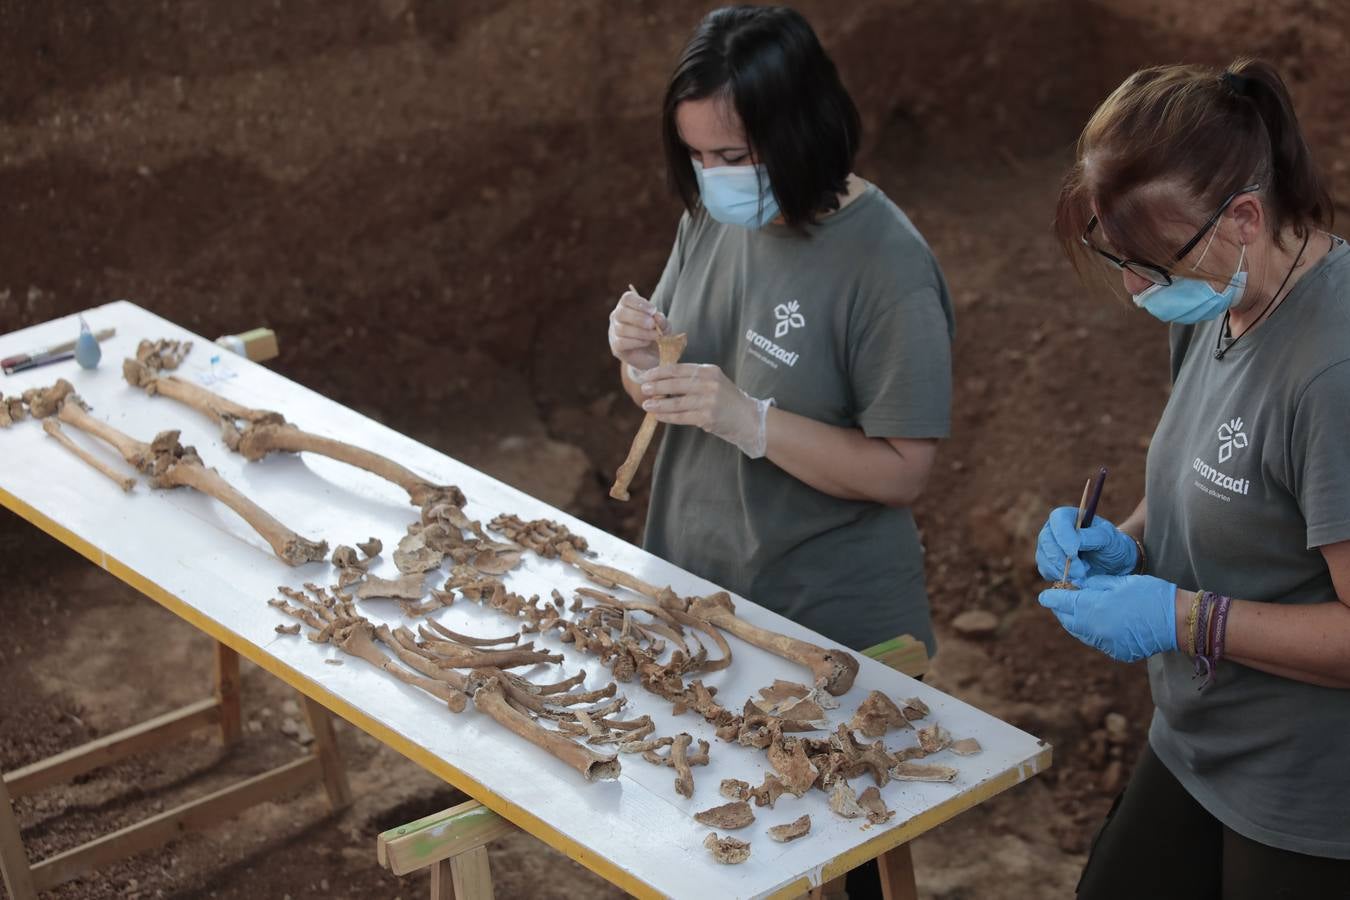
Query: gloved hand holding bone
column 702, row 395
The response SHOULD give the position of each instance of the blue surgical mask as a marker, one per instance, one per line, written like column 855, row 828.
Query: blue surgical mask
column 1190, row 300
column 737, row 195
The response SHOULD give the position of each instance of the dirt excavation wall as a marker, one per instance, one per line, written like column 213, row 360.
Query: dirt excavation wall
column 436, row 202
column 440, row 183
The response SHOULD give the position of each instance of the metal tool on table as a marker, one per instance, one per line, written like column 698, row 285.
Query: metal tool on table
column 60, row 352
column 1087, row 510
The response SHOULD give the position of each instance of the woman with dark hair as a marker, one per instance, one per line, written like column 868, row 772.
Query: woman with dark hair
column 1198, row 187
column 817, row 374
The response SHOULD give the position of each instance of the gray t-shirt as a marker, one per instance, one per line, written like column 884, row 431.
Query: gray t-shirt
column 1248, row 473
column 851, row 326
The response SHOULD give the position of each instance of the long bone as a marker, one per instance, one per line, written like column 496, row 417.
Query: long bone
column 168, row 464
column 53, row 428
column 669, row 347
column 833, row 669
column 264, row 432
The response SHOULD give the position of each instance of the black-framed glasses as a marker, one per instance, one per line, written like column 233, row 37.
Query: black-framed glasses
column 1157, row 274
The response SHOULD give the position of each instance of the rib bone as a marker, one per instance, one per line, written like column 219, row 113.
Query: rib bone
column 357, row 641
column 456, row 656
column 669, row 347
column 468, row 641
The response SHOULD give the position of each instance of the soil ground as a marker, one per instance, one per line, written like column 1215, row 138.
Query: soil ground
column 458, row 192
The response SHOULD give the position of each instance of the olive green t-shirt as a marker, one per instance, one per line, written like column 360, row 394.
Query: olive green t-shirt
column 1248, row 474
column 850, row 326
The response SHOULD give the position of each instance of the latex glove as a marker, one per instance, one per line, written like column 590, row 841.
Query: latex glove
column 634, row 326
column 1128, row 618
column 1099, row 549
column 702, row 395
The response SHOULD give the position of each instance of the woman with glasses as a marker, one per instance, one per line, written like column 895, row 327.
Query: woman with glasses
column 1232, row 576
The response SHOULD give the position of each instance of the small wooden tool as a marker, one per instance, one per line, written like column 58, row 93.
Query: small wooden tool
column 1087, row 512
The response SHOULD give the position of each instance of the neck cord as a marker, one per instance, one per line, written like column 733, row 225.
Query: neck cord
column 1219, row 349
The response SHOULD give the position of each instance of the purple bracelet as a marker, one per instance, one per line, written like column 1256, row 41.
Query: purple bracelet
column 1214, row 641
column 1202, row 625
column 1221, row 626
column 1202, row 662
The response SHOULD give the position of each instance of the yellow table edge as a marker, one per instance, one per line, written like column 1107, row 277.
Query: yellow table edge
column 521, row 817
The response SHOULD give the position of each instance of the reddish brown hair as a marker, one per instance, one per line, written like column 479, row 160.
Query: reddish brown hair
column 1172, row 143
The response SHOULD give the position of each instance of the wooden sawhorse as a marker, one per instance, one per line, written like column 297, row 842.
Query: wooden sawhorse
column 453, row 842
column 223, row 711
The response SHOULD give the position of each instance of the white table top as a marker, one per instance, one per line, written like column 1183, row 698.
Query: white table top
column 192, row 554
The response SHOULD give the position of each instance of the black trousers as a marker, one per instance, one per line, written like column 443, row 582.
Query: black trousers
column 1159, row 843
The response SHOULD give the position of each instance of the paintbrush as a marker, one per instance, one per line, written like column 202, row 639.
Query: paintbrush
column 1088, row 513
column 1087, row 510
column 659, row 325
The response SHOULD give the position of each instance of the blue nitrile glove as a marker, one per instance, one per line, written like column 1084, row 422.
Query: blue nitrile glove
column 1128, row 617
column 1099, row 549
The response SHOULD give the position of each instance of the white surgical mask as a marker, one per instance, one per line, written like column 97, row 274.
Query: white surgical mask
column 1190, row 300
column 737, row 195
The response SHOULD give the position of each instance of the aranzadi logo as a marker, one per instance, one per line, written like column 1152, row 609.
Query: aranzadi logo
column 788, row 317
column 1232, row 437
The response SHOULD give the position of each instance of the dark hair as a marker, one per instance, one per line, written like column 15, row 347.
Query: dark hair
column 801, row 123
column 1176, row 141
